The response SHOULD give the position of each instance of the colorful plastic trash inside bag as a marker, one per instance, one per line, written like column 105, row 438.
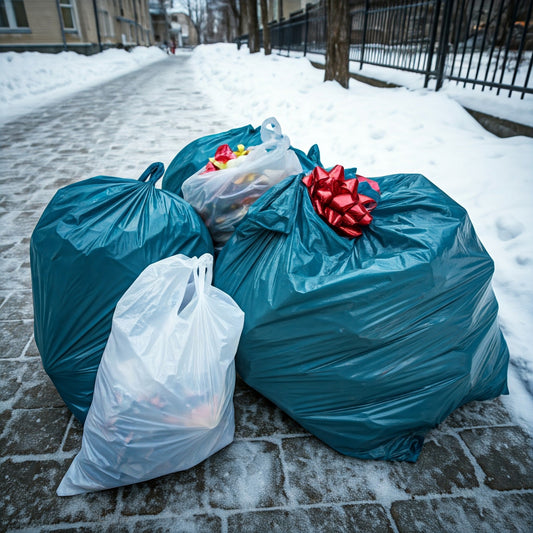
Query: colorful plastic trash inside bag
column 163, row 398
column 92, row 241
column 367, row 342
column 223, row 190
column 197, row 153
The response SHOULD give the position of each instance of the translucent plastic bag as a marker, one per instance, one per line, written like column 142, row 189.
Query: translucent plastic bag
column 222, row 197
column 164, row 389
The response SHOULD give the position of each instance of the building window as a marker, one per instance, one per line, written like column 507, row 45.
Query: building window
column 106, row 23
column 67, row 13
column 13, row 14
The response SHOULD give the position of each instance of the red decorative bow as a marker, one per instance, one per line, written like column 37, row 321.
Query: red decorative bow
column 336, row 200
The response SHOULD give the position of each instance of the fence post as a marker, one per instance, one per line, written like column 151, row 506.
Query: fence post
column 365, row 22
column 443, row 42
column 432, row 39
column 289, row 38
column 306, row 27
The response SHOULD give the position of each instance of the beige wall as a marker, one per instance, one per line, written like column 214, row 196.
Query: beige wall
column 286, row 7
column 189, row 33
column 116, row 19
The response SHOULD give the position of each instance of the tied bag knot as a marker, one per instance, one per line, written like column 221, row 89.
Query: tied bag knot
column 337, row 201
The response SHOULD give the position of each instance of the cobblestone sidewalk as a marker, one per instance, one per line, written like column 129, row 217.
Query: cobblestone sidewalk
column 475, row 473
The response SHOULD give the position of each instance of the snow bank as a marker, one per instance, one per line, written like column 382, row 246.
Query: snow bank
column 512, row 108
column 32, row 79
column 385, row 131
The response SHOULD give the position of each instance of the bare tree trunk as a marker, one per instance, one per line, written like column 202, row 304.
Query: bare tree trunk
column 338, row 42
column 266, row 29
column 507, row 21
column 253, row 27
column 227, row 26
column 234, row 16
column 243, row 18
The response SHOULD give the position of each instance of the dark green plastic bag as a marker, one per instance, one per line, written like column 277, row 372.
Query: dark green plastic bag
column 92, row 241
column 367, row 343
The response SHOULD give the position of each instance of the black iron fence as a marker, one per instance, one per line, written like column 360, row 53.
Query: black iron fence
column 485, row 43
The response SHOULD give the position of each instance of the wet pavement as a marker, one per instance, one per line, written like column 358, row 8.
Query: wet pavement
column 475, row 473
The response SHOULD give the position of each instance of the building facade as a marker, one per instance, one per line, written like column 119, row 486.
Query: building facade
column 182, row 30
column 85, row 26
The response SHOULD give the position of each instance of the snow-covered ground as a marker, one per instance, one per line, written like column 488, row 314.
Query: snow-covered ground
column 512, row 108
column 29, row 80
column 385, row 131
column 380, row 131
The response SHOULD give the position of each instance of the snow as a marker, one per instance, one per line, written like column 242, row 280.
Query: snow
column 386, row 131
column 512, row 108
column 380, row 131
column 29, row 80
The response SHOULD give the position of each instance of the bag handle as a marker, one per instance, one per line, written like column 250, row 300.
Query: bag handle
column 203, row 273
column 153, row 173
column 271, row 135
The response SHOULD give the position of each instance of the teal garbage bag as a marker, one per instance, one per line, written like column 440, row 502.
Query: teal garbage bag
column 368, row 343
column 92, row 241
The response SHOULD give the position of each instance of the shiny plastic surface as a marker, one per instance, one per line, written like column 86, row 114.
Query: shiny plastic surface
column 163, row 398
column 92, row 241
column 367, row 343
column 222, row 198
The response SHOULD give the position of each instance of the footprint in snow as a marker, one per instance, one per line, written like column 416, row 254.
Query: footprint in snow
column 522, row 260
column 508, row 228
column 377, row 134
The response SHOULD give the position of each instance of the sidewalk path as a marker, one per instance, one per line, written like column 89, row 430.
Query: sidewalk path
column 475, row 472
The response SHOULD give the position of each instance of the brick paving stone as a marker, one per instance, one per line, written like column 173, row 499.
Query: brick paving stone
column 19, row 306
column 10, row 379
column 100, row 527
column 34, row 431
column 506, row 513
column 21, row 278
column 362, row 518
column 5, row 417
column 182, row 492
column 32, row 350
column 74, row 435
column 255, row 416
column 13, row 254
column 37, row 389
column 13, row 337
column 28, row 496
column 505, row 454
column 201, row 523
column 317, row 473
column 441, row 468
column 246, row 474
column 478, row 414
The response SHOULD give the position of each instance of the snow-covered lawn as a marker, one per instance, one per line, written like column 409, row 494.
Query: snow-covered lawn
column 380, row 131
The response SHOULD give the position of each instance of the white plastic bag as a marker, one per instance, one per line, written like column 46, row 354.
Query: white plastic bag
column 163, row 398
column 223, row 197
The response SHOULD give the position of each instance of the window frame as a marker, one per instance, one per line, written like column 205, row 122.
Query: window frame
column 69, row 4
column 12, row 19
